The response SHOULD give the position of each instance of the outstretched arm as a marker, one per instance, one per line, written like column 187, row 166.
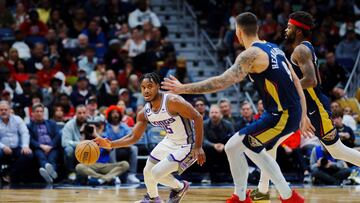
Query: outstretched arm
column 178, row 106
column 237, row 72
column 303, row 58
column 128, row 140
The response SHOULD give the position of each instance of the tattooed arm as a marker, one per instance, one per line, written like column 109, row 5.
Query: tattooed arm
column 303, row 58
column 244, row 64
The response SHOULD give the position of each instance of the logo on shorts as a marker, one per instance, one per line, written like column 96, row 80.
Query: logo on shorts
column 254, row 142
column 330, row 136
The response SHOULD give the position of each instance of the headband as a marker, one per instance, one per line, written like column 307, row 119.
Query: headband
column 299, row 24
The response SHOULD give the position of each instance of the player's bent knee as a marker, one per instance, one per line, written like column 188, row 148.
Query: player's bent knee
column 157, row 172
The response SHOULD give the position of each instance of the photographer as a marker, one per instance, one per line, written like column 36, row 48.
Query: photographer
column 327, row 170
column 102, row 171
column 71, row 136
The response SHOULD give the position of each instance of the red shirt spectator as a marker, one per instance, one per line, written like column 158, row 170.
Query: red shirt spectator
column 46, row 74
column 33, row 27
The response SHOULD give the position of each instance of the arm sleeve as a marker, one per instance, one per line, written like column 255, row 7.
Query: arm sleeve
column 155, row 20
column 33, row 142
column 313, row 159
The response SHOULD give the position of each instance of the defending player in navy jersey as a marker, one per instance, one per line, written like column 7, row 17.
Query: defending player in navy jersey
column 180, row 148
column 284, row 102
column 305, row 65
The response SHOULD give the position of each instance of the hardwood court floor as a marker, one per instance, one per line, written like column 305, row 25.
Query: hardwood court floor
column 211, row 195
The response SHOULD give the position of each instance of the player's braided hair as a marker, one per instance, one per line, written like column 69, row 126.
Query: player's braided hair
column 154, row 77
column 304, row 18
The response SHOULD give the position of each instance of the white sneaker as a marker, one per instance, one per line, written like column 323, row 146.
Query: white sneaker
column 50, row 169
column 45, row 175
column 132, row 179
column 72, row 176
column 117, row 181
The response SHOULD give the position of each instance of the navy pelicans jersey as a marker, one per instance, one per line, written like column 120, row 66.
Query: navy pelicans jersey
column 318, row 105
column 280, row 98
column 275, row 84
column 178, row 129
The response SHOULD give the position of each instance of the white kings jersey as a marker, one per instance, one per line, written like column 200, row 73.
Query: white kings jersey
column 178, row 129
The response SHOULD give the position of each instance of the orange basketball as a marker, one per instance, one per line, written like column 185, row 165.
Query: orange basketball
column 87, row 152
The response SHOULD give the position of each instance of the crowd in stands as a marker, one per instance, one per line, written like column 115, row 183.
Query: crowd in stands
column 69, row 70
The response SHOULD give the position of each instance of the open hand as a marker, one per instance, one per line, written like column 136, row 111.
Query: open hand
column 173, row 85
column 199, row 154
column 306, row 128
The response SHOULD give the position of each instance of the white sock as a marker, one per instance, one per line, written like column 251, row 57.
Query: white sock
column 267, row 164
column 339, row 151
column 234, row 149
column 264, row 181
column 151, row 184
column 162, row 173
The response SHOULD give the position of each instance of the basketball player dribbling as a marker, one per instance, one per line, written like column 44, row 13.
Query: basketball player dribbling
column 284, row 102
column 304, row 61
column 177, row 151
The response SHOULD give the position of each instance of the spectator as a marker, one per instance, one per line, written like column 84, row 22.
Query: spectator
column 58, row 116
column 260, row 109
column 66, row 64
column 345, row 133
column 332, row 73
column 143, row 14
column 35, row 99
column 6, row 18
column 14, row 143
column 81, row 93
column 325, row 169
column 247, row 116
column 20, row 73
column 114, row 130
column 20, row 14
column 71, row 136
column 136, row 44
column 19, row 44
column 125, row 96
column 37, row 54
column 102, row 171
column 349, row 119
column 12, row 59
column 349, row 47
column 96, row 38
column 225, row 108
column 111, row 94
column 97, row 76
column 46, row 73
column 217, row 131
column 201, row 108
column 44, row 11
column 128, row 120
column 95, row 8
column 123, row 76
column 33, row 27
column 78, row 23
column 268, row 29
column 92, row 107
column 88, row 62
column 45, row 140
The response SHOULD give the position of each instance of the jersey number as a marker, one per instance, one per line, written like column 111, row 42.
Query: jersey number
column 168, row 129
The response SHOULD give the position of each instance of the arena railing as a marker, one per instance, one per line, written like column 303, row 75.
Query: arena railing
column 353, row 82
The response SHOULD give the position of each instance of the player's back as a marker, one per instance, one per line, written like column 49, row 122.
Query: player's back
column 314, row 96
column 178, row 129
column 275, row 84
